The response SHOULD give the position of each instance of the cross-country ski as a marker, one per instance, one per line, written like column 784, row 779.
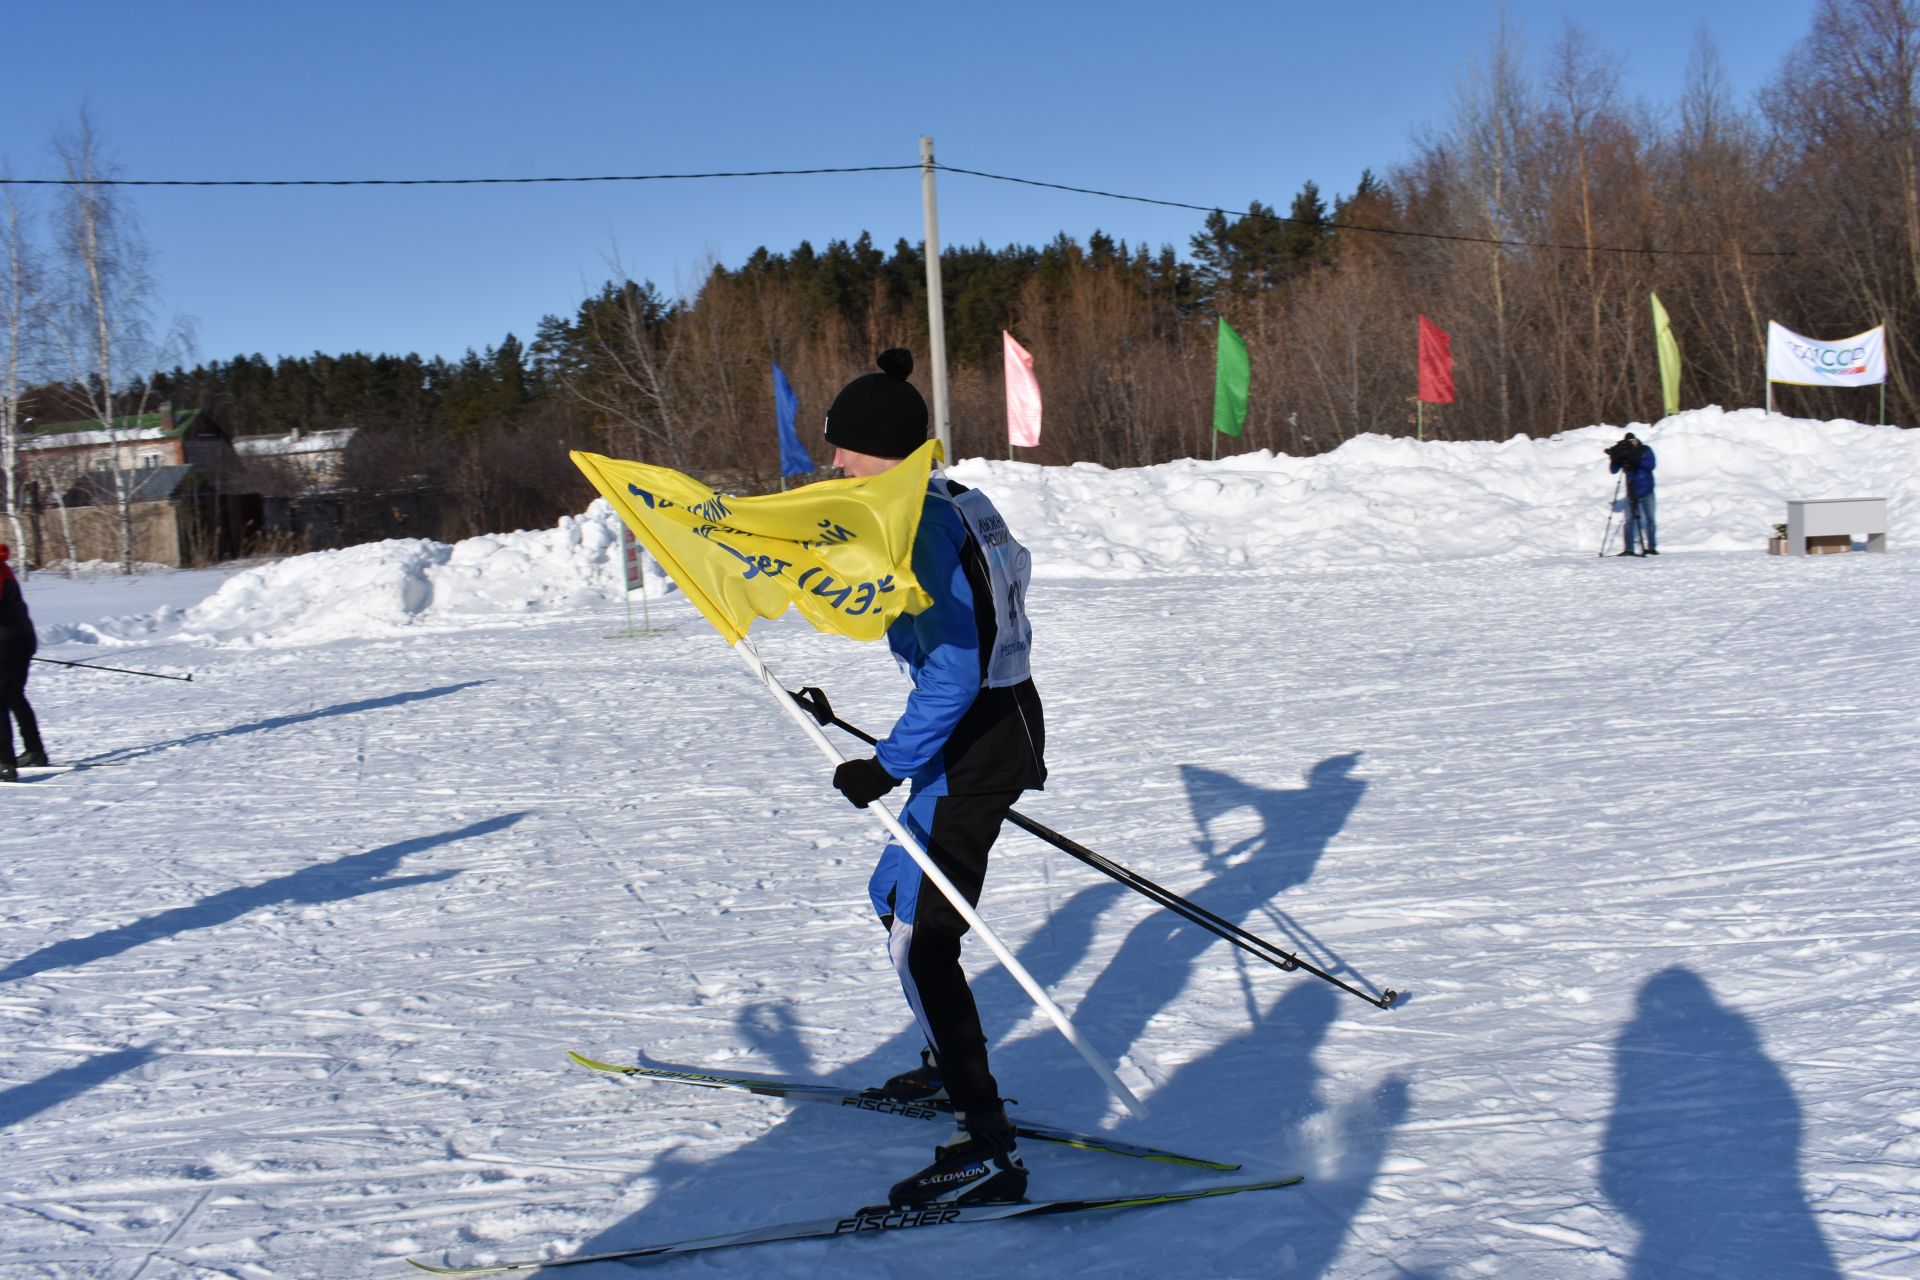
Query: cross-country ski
column 872, row 1100
column 881, row 1219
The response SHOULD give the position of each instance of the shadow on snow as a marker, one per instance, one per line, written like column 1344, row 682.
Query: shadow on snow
column 281, row 722
column 348, row 877
column 35, row 1096
column 1703, row 1147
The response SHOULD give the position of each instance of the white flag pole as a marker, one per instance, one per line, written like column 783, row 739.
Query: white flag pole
column 940, row 881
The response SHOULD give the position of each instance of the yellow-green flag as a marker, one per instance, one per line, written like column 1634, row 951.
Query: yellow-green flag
column 1669, row 357
column 1232, row 378
column 840, row 551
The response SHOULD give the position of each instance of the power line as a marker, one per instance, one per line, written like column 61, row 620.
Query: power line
column 1350, row 226
column 1407, row 232
column 431, row 182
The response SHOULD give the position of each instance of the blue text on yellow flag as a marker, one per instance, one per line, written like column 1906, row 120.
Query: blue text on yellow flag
column 839, row 551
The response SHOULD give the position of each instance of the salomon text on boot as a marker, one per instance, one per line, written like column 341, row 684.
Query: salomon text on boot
column 977, row 1166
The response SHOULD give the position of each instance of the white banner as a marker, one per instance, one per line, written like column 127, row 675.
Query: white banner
column 1858, row 361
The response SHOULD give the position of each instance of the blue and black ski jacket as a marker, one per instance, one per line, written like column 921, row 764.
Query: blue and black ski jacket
column 973, row 722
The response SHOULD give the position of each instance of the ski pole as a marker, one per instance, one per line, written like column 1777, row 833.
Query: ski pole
column 814, row 700
column 804, row 718
column 1607, row 535
column 89, row 666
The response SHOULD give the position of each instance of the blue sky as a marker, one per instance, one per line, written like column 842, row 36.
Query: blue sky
column 1216, row 104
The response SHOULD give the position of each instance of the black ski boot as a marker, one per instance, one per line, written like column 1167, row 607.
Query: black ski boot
column 922, row 1083
column 8, row 773
column 33, row 760
column 977, row 1167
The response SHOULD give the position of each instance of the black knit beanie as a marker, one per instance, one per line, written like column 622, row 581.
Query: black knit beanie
column 880, row 414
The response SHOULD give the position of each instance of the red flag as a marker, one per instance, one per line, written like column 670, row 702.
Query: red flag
column 1436, row 363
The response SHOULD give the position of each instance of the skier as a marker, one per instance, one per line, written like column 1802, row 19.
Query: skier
column 17, row 644
column 970, row 740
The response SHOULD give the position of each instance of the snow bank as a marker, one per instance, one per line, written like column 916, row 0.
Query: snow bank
column 383, row 588
column 1724, row 478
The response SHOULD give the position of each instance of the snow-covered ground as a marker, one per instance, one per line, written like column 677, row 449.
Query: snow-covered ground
column 288, row 990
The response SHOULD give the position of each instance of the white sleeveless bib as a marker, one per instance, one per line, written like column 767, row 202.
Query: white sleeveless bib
column 1009, row 570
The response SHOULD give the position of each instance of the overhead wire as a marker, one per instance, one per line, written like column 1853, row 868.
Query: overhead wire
column 1315, row 224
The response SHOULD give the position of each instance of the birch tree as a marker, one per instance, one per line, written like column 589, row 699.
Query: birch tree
column 19, row 305
column 104, row 299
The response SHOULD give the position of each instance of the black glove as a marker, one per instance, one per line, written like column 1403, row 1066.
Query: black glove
column 863, row 781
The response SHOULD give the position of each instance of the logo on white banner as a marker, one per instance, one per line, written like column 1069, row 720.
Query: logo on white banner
column 1850, row 362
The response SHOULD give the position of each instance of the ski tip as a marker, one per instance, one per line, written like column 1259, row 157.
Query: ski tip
column 433, row 1270
column 595, row 1063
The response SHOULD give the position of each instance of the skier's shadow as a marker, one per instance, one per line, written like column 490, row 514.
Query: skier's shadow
column 281, row 722
column 1259, row 1098
column 55, row 1088
column 1251, row 861
column 1265, row 1124
column 1703, row 1147
column 349, row 877
column 865, row 1153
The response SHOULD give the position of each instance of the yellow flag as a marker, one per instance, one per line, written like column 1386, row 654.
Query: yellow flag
column 840, row 551
column 1669, row 351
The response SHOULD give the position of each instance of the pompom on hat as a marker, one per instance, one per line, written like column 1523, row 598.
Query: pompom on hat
column 880, row 414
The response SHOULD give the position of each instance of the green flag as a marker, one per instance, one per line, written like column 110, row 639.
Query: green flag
column 1232, row 375
column 1669, row 357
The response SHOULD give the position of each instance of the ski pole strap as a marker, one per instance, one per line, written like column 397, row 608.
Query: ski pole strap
column 814, row 701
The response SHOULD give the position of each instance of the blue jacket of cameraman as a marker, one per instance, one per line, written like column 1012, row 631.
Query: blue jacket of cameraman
column 1640, row 474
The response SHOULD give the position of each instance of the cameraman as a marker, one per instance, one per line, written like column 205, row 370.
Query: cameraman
column 1636, row 459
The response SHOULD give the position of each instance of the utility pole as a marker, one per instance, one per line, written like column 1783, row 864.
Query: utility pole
column 936, row 305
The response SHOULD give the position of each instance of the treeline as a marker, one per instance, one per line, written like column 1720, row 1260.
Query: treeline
column 1532, row 225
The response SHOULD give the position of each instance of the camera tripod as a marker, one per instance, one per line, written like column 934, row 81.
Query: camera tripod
column 1607, row 536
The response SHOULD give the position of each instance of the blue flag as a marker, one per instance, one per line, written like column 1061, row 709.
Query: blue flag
column 794, row 458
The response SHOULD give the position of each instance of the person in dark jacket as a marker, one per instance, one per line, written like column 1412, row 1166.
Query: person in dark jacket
column 970, row 740
column 1634, row 457
column 17, row 645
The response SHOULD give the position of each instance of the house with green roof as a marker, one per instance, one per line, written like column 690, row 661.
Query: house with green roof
column 72, row 475
column 62, row 452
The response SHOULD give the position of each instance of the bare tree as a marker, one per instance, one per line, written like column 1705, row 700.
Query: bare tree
column 1847, row 106
column 19, row 305
column 105, row 296
column 633, row 336
column 1584, row 83
column 1494, row 115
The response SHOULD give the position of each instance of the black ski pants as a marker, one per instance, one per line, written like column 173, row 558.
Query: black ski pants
column 14, row 664
column 924, row 931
